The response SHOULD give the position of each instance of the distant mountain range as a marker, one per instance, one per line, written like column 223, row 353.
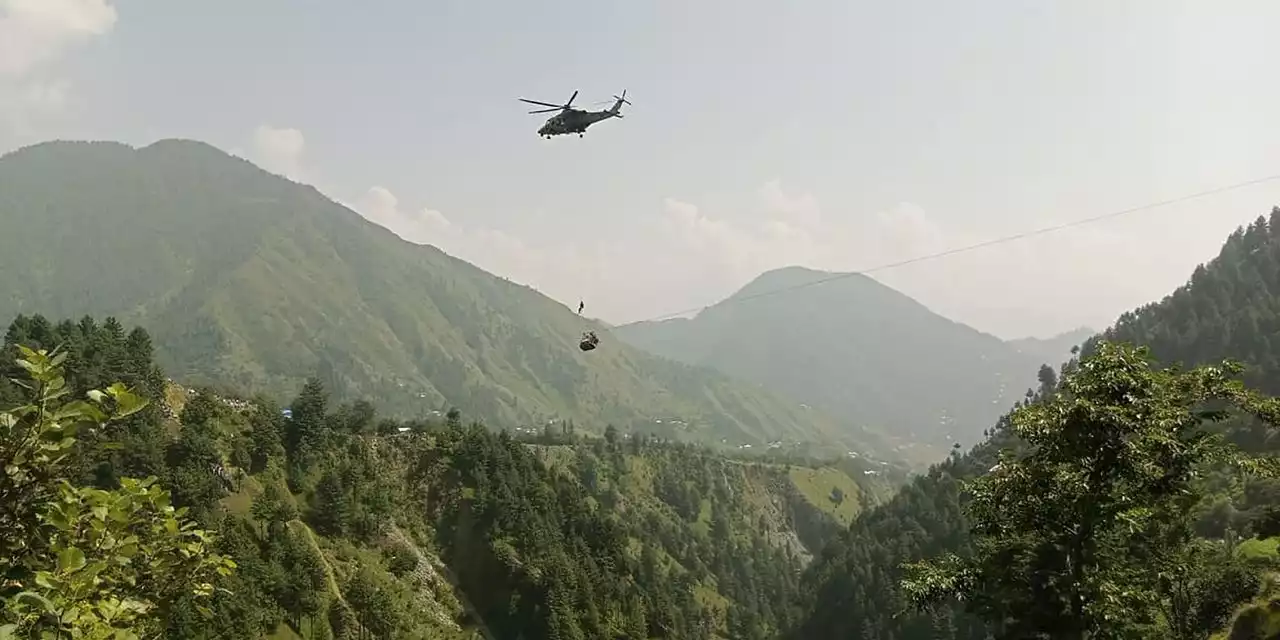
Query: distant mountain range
column 855, row 348
column 1056, row 350
column 249, row 280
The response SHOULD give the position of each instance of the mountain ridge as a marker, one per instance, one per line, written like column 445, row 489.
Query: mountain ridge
column 252, row 281
column 852, row 346
column 1054, row 349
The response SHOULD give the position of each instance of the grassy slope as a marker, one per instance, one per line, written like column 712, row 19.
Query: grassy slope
column 1260, row 618
column 248, row 280
column 817, row 486
column 774, row 492
column 438, row 607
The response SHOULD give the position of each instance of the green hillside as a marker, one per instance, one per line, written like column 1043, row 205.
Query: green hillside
column 250, row 281
column 344, row 525
column 1229, row 309
column 854, row 348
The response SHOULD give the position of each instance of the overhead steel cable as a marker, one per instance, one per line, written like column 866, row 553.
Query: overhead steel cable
column 980, row 245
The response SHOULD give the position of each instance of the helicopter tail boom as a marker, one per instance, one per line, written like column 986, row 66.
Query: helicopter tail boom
column 616, row 110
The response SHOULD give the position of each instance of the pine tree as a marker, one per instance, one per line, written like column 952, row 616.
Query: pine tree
column 266, row 434
column 333, row 510
column 307, row 425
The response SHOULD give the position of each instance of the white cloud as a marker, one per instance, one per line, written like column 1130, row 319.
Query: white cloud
column 1042, row 283
column 424, row 226
column 794, row 230
column 280, row 151
column 553, row 270
column 34, row 35
column 696, row 258
column 381, row 206
column 36, row 32
column 802, row 209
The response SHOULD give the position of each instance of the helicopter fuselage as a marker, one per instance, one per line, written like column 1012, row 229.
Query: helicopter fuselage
column 572, row 121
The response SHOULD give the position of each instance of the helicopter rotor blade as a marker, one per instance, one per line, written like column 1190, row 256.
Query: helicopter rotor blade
column 544, row 104
column 548, row 110
column 575, row 94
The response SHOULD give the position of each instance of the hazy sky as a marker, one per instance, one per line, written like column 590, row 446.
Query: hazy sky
column 835, row 134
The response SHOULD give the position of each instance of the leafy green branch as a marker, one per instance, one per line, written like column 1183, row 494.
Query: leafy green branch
column 82, row 562
column 1086, row 533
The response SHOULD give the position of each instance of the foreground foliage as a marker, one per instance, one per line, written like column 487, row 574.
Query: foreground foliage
column 343, row 524
column 1226, row 310
column 77, row 561
column 1086, row 529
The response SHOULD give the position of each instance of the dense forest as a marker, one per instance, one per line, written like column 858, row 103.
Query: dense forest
column 329, row 522
column 340, row 523
column 1226, row 310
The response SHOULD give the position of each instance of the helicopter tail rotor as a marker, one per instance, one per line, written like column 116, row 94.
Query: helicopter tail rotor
column 618, row 102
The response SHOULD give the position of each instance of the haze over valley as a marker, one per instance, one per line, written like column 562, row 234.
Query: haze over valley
column 900, row 322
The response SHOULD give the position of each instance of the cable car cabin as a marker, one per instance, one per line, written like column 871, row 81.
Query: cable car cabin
column 589, row 341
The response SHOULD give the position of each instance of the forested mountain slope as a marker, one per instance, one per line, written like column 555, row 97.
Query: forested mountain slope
column 856, row 348
column 346, row 525
column 1228, row 309
column 250, row 281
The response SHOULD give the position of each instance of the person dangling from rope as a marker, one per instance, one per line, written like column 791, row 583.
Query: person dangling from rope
column 580, row 306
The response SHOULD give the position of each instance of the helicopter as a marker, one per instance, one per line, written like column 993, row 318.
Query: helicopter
column 571, row 120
